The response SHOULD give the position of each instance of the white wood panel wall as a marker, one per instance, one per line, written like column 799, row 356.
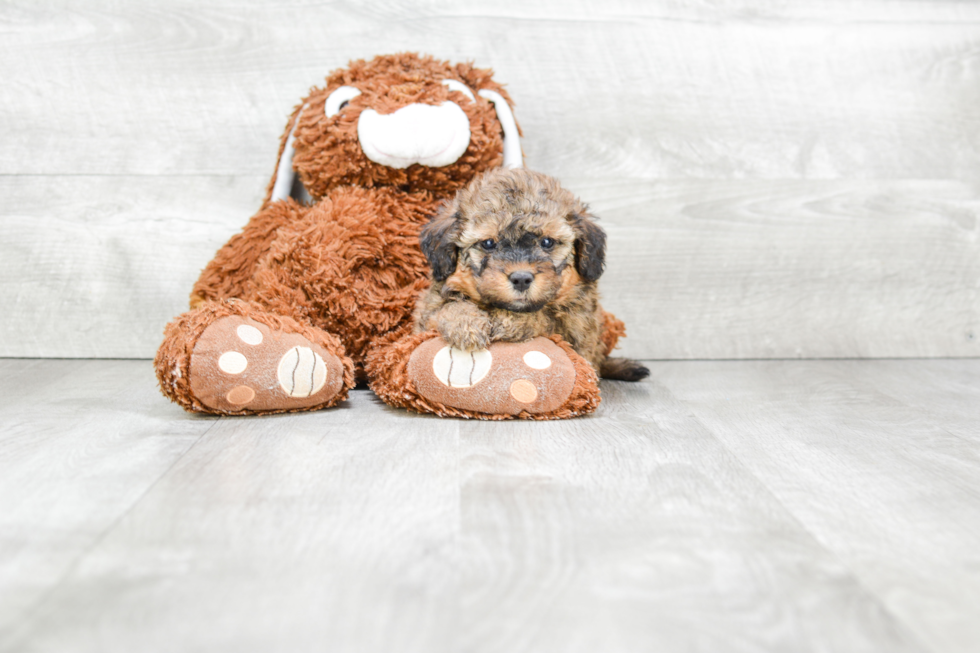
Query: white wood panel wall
column 777, row 179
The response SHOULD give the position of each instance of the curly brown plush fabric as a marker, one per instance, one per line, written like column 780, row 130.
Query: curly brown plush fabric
column 349, row 264
column 343, row 272
column 329, row 155
column 612, row 330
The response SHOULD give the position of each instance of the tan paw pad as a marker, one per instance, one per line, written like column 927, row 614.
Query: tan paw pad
column 240, row 395
column 523, row 391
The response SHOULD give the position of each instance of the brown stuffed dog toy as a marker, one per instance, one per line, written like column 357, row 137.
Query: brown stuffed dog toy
column 317, row 290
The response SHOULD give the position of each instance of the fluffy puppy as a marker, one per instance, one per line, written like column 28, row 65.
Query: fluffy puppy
column 515, row 256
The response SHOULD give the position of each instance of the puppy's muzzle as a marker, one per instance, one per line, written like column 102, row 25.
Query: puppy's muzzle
column 521, row 280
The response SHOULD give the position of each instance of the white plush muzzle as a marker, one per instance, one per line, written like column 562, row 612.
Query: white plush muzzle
column 433, row 136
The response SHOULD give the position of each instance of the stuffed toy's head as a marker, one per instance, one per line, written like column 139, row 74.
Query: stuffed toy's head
column 402, row 120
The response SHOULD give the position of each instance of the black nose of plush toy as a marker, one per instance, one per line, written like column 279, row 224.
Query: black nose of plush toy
column 521, row 280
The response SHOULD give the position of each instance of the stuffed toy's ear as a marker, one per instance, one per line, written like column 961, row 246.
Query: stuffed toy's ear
column 286, row 183
column 438, row 240
column 513, row 157
column 590, row 246
column 481, row 80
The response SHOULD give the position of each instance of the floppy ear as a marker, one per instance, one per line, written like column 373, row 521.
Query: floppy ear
column 438, row 242
column 590, row 247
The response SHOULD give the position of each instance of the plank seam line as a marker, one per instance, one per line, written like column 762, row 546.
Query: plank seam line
column 906, row 629
column 25, row 618
column 928, row 412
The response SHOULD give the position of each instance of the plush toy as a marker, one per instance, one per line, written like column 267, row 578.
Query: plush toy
column 317, row 291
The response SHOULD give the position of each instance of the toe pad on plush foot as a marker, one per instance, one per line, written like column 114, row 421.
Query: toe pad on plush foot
column 240, row 365
column 508, row 378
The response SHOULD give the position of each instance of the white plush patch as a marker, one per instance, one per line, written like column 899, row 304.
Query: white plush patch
column 513, row 157
column 231, row 362
column 301, row 372
column 459, row 86
column 284, row 173
column 249, row 334
column 337, row 98
column 285, row 176
column 461, row 369
column 433, row 136
column 538, row 360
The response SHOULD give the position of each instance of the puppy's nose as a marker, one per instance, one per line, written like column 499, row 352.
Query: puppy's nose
column 521, row 280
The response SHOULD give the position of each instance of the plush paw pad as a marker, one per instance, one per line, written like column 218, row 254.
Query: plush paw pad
column 301, row 372
column 240, row 364
column 461, row 369
column 506, row 379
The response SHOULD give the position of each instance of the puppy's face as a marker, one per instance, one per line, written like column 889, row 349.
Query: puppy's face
column 514, row 240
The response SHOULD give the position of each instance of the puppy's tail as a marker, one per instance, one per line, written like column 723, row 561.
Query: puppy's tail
column 623, row 369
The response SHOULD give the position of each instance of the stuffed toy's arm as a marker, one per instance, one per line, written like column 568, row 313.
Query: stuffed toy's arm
column 229, row 272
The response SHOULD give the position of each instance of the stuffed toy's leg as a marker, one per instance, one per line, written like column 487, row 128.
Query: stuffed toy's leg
column 540, row 379
column 234, row 358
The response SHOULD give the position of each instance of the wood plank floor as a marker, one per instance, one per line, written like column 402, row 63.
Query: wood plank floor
column 719, row 506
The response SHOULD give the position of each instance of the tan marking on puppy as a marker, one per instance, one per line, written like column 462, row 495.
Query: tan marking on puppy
column 570, row 282
column 515, row 256
column 462, row 282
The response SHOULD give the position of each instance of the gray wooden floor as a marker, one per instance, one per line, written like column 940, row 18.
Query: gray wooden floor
column 718, row 506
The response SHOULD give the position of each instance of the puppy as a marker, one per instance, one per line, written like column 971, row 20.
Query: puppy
column 515, row 256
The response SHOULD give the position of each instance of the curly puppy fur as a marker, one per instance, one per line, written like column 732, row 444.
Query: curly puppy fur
column 515, row 256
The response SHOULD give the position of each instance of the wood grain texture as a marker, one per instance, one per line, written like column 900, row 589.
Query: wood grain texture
column 639, row 531
column 792, row 269
column 139, row 136
column 755, row 89
column 697, row 269
column 365, row 528
column 946, row 390
column 96, row 266
column 81, row 442
column 889, row 488
column 329, row 531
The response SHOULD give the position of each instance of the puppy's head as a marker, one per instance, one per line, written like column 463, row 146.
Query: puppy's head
column 514, row 239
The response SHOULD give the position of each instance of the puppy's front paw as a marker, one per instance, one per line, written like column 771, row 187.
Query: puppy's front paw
column 468, row 337
column 469, row 333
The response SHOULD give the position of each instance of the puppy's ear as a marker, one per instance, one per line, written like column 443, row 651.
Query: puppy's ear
column 590, row 246
column 438, row 242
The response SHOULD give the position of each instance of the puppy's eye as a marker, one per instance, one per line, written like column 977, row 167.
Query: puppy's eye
column 547, row 243
column 489, row 244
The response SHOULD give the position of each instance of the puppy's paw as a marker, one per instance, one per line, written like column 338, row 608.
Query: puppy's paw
column 466, row 332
